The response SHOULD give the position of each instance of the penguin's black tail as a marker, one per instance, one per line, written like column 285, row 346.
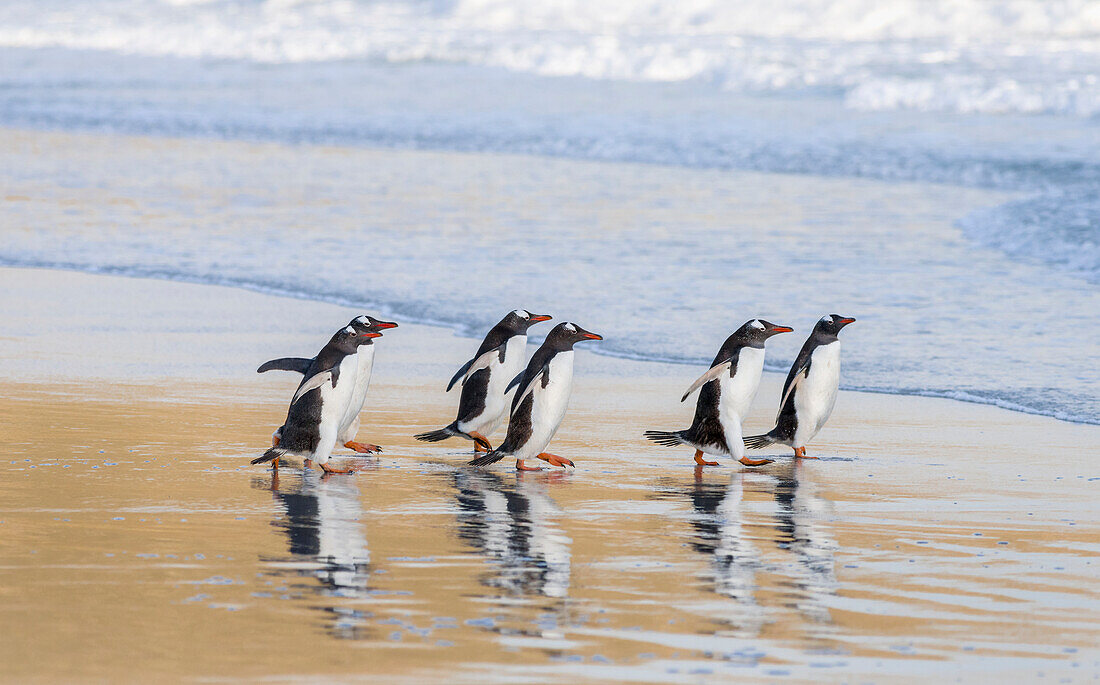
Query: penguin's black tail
column 755, row 442
column 271, row 454
column 488, row 458
column 451, row 431
column 439, row 435
column 666, row 438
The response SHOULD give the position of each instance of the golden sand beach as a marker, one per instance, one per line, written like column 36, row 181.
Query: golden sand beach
column 933, row 539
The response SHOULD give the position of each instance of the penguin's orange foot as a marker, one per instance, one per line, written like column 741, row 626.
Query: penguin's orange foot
column 275, row 464
column 800, row 453
column 555, row 460
column 328, row 469
column 520, row 466
column 754, row 462
column 703, row 462
column 362, row 447
column 481, row 443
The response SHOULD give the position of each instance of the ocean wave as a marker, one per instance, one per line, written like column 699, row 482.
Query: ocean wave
column 1023, row 56
column 1060, row 228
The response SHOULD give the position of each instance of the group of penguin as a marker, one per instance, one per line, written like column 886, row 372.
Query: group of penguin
column 324, row 410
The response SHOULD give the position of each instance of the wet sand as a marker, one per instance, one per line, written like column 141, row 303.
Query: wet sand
column 934, row 539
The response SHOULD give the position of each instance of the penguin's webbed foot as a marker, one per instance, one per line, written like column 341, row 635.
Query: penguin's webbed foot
column 362, row 447
column 555, row 460
column 754, row 462
column 800, row 453
column 481, row 443
column 329, row 469
column 520, row 466
column 703, row 462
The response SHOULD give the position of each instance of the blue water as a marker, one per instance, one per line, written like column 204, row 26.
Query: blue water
column 1001, row 309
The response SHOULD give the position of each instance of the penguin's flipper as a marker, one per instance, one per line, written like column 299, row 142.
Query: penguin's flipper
column 296, row 364
column 514, row 382
column 796, row 378
column 714, row 372
column 311, row 384
column 461, row 373
column 528, row 386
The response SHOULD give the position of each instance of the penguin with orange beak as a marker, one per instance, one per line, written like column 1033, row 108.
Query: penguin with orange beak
column 725, row 393
column 542, row 396
column 809, row 393
column 358, row 371
column 483, row 403
column 313, row 420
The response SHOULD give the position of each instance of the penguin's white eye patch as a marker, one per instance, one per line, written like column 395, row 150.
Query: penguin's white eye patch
column 522, row 313
column 827, row 319
column 757, row 325
column 349, row 329
column 571, row 328
column 363, row 320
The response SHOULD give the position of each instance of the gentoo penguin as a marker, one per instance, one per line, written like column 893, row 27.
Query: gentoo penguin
column 542, row 394
column 809, row 392
column 349, row 424
column 483, row 404
column 364, row 366
column 313, row 420
column 727, row 390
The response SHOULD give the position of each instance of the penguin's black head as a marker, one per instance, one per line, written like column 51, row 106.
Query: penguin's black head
column 368, row 324
column 520, row 320
column 830, row 324
column 756, row 331
column 347, row 339
column 565, row 335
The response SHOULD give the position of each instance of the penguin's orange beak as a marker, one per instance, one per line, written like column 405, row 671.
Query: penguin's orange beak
column 535, row 318
column 846, row 321
column 372, row 334
column 782, row 329
column 593, row 336
column 385, row 324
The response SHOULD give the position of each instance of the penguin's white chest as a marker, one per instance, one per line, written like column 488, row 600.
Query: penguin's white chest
column 333, row 403
column 364, row 367
column 550, row 403
column 739, row 391
column 816, row 395
column 345, row 385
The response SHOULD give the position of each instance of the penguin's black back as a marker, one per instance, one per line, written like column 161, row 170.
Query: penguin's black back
column 472, row 402
column 302, row 430
column 519, row 426
column 705, row 427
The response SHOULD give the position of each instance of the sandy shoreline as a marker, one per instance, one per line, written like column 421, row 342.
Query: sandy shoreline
column 934, row 537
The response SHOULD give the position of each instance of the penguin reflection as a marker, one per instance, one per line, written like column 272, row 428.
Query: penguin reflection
column 720, row 534
column 718, row 518
column 323, row 530
column 513, row 526
column 799, row 517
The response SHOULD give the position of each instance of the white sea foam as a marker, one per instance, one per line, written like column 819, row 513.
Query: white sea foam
column 954, row 55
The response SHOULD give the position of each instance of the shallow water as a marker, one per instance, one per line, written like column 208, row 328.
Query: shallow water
column 931, row 539
column 136, row 525
column 663, row 261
